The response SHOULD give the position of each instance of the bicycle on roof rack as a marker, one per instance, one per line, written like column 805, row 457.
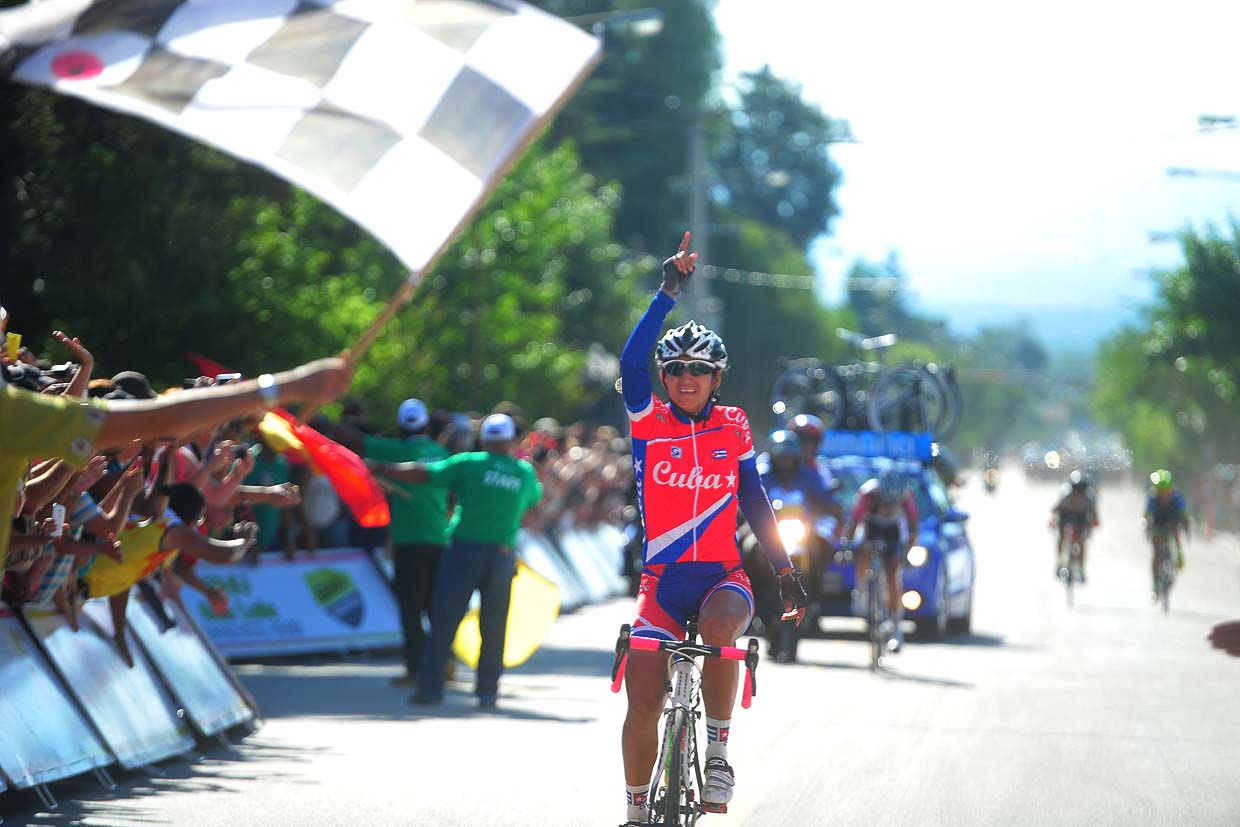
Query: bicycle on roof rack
column 868, row 394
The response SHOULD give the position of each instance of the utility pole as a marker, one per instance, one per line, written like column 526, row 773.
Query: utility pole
column 698, row 302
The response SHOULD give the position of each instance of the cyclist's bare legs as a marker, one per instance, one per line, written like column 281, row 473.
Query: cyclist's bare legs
column 644, row 681
column 892, row 570
column 722, row 620
column 1161, row 548
column 862, row 558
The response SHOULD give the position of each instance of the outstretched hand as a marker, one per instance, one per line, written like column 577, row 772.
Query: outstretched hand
column 678, row 269
column 80, row 354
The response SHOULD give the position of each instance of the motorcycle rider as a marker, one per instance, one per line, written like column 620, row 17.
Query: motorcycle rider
column 784, row 472
column 1075, row 508
column 809, row 430
column 887, row 510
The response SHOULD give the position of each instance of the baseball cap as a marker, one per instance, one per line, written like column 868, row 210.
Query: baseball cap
column 498, row 428
column 412, row 415
column 135, row 384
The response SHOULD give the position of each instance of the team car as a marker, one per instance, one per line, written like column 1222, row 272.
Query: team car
column 938, row 574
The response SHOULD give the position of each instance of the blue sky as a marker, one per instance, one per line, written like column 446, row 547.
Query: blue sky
column 1014, row 154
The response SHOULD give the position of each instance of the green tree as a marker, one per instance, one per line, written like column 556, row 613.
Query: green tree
column 1170, row 387
column 773, row 158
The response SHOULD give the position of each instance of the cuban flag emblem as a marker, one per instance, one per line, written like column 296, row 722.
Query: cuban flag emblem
column 675, row 452
column 720, row 453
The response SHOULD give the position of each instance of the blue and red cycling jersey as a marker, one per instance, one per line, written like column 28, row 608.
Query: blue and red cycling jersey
column 692, row 474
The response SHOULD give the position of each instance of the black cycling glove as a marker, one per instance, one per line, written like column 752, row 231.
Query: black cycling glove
column 673, row 280
column 792, row 590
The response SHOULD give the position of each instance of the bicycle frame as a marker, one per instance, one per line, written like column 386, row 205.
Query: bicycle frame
column 684, row 695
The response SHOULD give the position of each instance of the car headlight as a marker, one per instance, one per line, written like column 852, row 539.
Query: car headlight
column 917, row 556
column 792, row 532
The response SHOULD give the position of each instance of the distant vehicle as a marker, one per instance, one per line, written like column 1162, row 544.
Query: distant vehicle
column 938, row 574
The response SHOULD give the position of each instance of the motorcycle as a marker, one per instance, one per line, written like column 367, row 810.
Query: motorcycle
column 804, row 538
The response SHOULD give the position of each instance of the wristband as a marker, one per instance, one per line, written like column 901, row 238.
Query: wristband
column 267, row 389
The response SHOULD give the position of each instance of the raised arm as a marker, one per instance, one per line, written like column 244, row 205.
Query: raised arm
column 634, row 373
column 198, row 408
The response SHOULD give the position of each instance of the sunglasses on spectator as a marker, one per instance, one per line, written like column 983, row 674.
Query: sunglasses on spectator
column 696, row 367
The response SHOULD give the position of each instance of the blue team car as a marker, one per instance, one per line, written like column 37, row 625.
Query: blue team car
column 938, row 575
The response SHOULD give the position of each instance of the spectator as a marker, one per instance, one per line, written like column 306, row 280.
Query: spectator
column 419, row 530
column 494, row 490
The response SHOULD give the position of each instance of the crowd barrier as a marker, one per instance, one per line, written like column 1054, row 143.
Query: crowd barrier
column 70, row 705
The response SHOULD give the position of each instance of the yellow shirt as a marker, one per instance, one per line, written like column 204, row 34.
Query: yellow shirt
column 141, row 555
column 48, row 427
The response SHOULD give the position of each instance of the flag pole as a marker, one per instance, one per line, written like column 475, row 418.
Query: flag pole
column 353, row 353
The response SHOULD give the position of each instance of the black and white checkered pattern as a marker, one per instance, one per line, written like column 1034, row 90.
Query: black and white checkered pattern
column 400, row 113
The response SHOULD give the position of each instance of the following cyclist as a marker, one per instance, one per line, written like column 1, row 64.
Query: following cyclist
column 1075, row 510
column 886, row 511
column 1166, row 513
column 694, row 464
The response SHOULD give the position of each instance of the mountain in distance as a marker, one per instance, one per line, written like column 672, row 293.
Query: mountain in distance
column 1060, row 329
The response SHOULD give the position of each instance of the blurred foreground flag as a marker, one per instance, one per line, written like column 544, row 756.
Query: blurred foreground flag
column 402, row 114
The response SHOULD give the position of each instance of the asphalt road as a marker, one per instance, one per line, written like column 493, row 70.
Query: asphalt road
column 1109, row 712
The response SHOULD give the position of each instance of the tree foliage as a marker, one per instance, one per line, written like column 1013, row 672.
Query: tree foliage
column 1170, row 386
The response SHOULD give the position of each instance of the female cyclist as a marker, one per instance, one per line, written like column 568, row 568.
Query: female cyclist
column 694, row 463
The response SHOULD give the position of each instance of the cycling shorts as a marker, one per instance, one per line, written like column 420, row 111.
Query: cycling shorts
column 669, row 595
column 885, row 537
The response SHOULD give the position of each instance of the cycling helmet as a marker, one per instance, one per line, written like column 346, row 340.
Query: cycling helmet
column 692, row 341
column 1077, row 480
column 892, row 485
column 1162, row 479
column 785, row 444
column 807, row 425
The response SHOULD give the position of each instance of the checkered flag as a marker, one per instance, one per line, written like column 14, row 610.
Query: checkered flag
column 402, row 114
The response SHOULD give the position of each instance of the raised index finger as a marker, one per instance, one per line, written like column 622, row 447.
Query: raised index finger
column 684, row 244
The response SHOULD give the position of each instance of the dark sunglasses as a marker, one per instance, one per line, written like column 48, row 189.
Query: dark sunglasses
column 696, row 367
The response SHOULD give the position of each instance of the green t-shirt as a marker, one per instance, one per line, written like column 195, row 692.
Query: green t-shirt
column 268, row 471
column 421, row 518
column 493, row 492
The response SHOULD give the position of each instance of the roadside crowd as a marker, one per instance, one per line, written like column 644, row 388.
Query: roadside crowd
column 112, row 485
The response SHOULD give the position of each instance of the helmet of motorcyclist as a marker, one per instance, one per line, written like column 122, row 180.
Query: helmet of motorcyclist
column 1077, row 480
column 692, row 341
column 807, row 426
column 1161, row 479
column 893, row 485
column 785, row 444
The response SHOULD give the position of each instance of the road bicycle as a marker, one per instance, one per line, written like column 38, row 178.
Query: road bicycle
column 1166, row 567
column 676, row 783
column 880, row 627
column 1070, row 571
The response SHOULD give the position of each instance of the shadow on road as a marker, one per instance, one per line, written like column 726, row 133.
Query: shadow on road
column 85, row 802
column 373, row 697
column 889, row 673
column 555, row 661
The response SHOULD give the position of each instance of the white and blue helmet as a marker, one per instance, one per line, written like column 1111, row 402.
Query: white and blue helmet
column 692, row 341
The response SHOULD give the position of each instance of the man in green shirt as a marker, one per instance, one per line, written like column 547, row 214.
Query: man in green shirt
column 493, row 490
column 419, row 527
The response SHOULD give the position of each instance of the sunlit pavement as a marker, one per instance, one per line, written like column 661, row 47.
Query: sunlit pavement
column 1108, row 712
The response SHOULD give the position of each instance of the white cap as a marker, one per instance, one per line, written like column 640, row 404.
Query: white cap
column 412, row 415
column 498, row 428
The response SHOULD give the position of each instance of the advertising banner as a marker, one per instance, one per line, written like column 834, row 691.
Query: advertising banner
column 44, row 736
column 182, row 659
column 335, row 600
column 130, row 708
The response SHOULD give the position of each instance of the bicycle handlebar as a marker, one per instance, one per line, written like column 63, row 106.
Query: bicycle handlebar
column 626, row 642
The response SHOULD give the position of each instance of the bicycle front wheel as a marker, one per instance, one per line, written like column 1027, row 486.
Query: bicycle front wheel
column 676, row 798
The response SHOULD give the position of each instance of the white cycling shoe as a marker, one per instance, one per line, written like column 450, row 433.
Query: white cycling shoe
column 718, row 784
